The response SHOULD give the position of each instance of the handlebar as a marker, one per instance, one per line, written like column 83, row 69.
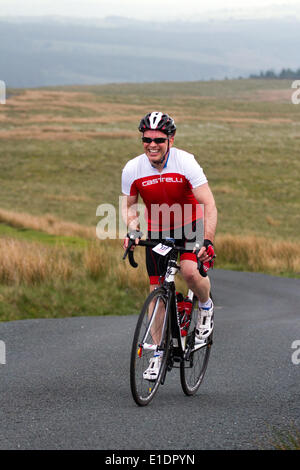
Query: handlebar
column 152, row 244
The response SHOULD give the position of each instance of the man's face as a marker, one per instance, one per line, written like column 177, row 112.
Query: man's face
column 154, row 151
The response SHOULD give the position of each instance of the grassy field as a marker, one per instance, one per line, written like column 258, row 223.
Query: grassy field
column 61, row 155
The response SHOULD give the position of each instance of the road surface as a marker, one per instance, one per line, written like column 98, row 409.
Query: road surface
column 65, row 383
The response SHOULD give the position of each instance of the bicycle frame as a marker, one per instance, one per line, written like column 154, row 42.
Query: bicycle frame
column 159, row 329
column 169, row 284
column 178, row 342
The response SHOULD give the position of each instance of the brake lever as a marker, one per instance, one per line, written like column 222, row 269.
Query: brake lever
column 129, row 252
column 132, row 260
column 133, row 235
column 200, row 265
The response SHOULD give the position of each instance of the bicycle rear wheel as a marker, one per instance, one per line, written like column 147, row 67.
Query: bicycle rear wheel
column 152, row 333
column 193, row 367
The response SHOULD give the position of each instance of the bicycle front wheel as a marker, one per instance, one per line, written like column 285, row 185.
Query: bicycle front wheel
column 193, row 367
column 152, row 334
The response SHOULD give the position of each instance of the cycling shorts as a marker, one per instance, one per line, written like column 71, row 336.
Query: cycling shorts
column 157, row 264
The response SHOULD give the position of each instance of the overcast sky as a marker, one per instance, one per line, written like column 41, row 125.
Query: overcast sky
column 153, row 10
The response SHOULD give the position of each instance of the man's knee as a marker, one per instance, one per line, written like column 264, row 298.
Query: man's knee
column 191, row 275
column 190, row 272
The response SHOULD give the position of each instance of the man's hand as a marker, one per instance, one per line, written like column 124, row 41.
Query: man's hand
column 134, row 235
column 206, row 254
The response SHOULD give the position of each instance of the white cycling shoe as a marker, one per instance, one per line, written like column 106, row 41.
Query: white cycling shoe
column 205, row 323
column 153, row 370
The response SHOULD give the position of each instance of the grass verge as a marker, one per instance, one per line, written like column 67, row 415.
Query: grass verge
column 43, row 279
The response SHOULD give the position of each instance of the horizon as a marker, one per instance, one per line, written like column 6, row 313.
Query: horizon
column 191, row 10
column 54, row 50
column 116, row 17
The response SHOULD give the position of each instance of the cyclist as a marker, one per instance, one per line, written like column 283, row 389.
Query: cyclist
column 173, row 186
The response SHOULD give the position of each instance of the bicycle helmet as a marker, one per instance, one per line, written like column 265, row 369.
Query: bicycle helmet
column 158, row 121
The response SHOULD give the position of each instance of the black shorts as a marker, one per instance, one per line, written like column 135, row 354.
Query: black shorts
column 157, row 264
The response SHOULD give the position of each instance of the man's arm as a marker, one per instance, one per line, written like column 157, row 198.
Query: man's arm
column 130, row 216
column 129, row 212
column 204, row 196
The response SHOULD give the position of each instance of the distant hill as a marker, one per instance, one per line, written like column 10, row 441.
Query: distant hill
column 58, row 51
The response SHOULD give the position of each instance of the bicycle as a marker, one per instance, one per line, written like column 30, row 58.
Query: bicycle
column 158, row 329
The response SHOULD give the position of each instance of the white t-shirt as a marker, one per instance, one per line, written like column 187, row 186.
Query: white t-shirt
column 172, row 188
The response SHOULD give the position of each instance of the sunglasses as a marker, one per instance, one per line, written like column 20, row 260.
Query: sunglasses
column 158, row 140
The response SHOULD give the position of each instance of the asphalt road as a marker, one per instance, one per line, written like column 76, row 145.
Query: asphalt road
column 65, row 384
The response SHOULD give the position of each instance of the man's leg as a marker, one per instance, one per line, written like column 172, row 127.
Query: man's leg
column 157, row 325
column 155, row 268
column 198, row 284
column 151, row 373
column 201, row 288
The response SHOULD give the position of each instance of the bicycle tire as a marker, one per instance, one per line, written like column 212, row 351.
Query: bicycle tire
column 144, row 390
column 193, row 367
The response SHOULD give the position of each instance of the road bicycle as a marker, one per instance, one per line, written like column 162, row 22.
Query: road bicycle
column 159, row 329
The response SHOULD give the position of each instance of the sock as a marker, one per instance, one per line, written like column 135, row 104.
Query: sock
column 206, row 305
column 158, row 353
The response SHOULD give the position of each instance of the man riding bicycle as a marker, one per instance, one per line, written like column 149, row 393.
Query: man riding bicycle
column 169, row 178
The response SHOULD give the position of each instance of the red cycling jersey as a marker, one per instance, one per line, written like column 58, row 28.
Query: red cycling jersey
column 168, row 196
